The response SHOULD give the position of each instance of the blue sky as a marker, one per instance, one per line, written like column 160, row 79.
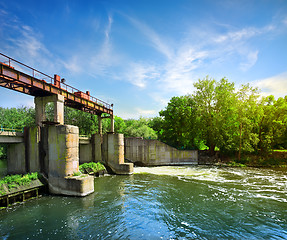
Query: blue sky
column 139, row 54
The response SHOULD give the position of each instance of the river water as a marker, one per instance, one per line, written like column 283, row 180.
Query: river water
column 161, row 203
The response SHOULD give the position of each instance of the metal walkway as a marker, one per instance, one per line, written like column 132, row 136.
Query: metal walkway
column 35, row 83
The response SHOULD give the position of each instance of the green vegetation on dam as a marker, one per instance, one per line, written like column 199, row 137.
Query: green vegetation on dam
column 161, row 203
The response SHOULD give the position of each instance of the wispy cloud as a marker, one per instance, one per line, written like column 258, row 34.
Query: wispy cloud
column 275, row 85
column 154, row 38
column 242, row 34
column 27, row 42
column 140, row 74
column 73, row 64
column 23, row 42
column 103, row 57
column 145, row 112
column 251, row 59
column 237, row 43
column 185, row 60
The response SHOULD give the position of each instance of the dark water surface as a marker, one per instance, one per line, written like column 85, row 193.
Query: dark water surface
column 161, row 203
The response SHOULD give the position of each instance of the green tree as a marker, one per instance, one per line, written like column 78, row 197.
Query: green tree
column 17, row 117
column 248, row 115
column 120, row 125
column 177, row 124
column 215, row 111
column 139, row 128
column 273, row 123
column 86, row 122
column 156, row 124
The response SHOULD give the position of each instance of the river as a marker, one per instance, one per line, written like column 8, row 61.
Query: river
column 161, row 203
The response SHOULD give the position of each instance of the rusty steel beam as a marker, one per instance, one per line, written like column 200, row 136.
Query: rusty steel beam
column 19, row 81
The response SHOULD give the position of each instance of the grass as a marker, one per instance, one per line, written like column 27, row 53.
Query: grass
column 236, row 164
column 13, row 181
column 75, row 174
column 94, row 166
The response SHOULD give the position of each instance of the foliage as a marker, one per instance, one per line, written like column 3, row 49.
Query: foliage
column 215, row 116
column 12, row 181
column 77, row 174
column 176, row 127
column 215, row 112
column 17, row 118
column 218, row 116
column 86, row 122
column 94, row 166
column 139, row 128
column 3, row 151
column 236, row 164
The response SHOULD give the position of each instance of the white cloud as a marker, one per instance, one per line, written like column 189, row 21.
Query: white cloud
column 275, row 85
column 73, row 64
column 109, row 27
column 251, row 59
column 236, row 43
column 25, row 44
column 28, row 42
column 145, row 112
column 103, row 57
column 140, row 74
column 157, row 42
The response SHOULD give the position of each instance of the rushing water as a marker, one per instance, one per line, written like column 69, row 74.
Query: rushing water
column 161, row 203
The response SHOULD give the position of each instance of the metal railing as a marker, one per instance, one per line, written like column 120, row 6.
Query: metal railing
column 3, row 129
column 42, row 76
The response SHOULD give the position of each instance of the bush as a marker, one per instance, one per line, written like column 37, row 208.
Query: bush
column 94, row 166
column 12, row 181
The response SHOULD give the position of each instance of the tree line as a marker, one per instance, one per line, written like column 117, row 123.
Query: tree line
column 18, row 118
column 217, row 116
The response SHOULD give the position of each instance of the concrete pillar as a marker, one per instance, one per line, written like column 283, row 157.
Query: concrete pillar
column 16, row 158
column 40, row 110
column 32, row 142
column 113, row 153
column 63, row 144
column 112, row 124
column 63, row 147
column 59, row 109
column 97, row 148
column 100, row 128
column 40, row 104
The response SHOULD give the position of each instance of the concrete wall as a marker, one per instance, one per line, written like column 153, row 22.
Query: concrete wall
column 90, row 149
column 113, row 154
column 85, row 153
column 16, row 159
column 156, row 153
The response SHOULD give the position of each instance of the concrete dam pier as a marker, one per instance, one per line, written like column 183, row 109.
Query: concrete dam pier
column 54, row 150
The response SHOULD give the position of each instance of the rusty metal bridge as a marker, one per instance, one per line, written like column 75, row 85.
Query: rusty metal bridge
column 22, row 78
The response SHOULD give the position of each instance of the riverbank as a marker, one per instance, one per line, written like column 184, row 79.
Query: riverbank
column 18, row 188
column 275, row 159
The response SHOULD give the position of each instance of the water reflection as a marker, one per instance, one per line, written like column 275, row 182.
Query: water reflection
column 161, row 203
